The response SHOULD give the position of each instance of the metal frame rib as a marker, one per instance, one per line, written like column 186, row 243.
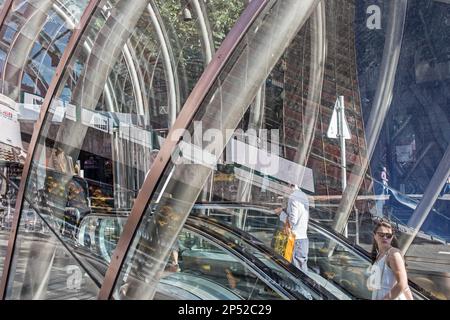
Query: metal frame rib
column 185, row 117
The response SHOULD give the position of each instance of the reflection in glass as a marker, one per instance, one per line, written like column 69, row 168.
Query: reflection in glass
column 293, row 91
column 211, row 263
column 270, row 122
column 62, row 278
column 185, row 179
column 28, row 61
column 342, row 266
column 105, row 124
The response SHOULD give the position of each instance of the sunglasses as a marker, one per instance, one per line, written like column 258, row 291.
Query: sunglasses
column 383, row 235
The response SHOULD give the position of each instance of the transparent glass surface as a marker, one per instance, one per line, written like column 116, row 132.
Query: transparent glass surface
column 107, row 119
column 322, row 103
column 333, row 261
column 427, row 259
column 221, row 15
column 346, row 99
column 33, row 38
column 6, row 215
column 196, row 32
column 56, row 190
column 414, row 134
column 62, row 279
column 185, row 177
column 213, row 263
column 200, row 257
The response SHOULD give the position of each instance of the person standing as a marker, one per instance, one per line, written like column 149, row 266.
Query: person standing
column 446, row 187
column 384, row 180
column 388, row 278
column 296, row 219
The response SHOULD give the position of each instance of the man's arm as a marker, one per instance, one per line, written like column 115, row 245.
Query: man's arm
column 296, row 212
column 281, row 213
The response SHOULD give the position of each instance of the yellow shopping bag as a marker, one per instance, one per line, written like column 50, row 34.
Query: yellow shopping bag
column 284, row 244
column 289, row 250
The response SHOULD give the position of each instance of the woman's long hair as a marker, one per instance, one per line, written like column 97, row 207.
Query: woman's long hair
column 394, row 242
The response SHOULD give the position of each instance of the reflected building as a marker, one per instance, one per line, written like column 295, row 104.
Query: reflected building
column 415, row 134
column 299, row 96
column 311, row 111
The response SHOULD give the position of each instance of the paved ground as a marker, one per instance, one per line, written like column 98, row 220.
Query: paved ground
column 65, row 280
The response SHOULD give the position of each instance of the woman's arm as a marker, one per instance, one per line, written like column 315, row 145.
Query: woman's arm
column 396, row 263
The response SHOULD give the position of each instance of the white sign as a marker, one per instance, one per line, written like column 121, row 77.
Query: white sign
column 32, row 99
column 271, row 164
column 95, row 120
column 71, row 112
column 163, row 110
column 9, row 124
column 333, row 127
column 58, row 110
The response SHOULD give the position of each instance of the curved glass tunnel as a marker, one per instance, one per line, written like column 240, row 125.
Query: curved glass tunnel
column 145, row 144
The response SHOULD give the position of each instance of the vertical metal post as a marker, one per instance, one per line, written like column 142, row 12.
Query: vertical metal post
column 340, row 134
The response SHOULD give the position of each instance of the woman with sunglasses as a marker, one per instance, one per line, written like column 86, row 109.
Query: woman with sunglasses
column 388, row 280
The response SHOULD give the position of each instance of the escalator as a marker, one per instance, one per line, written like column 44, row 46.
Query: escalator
column 214, row 264
column 221, row 261
column 225, row 253
column 331, row 255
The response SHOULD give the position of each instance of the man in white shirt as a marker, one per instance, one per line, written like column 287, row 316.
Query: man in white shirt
column 296, row 221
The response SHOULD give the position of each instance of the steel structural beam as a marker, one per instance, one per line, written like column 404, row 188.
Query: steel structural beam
column 184, row 119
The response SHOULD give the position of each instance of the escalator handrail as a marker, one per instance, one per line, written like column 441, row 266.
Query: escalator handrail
column 260, row 246
column 254, row 263
column 332, row 234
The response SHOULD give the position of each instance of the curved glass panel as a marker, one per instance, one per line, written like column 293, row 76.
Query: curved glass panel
column 101, row 133
column 55, row 274
column 413, row 141
column 202, row 259
column 221, row 16
column 223, row 109
column 335, row 259
column 341, row 266
column 315, row 108
column 9, row 189
column 211, row 255
column 56, row 190
column 347, row 100
column 33, row 38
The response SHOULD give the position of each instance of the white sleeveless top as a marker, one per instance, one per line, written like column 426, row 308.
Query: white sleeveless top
column 382, row 279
